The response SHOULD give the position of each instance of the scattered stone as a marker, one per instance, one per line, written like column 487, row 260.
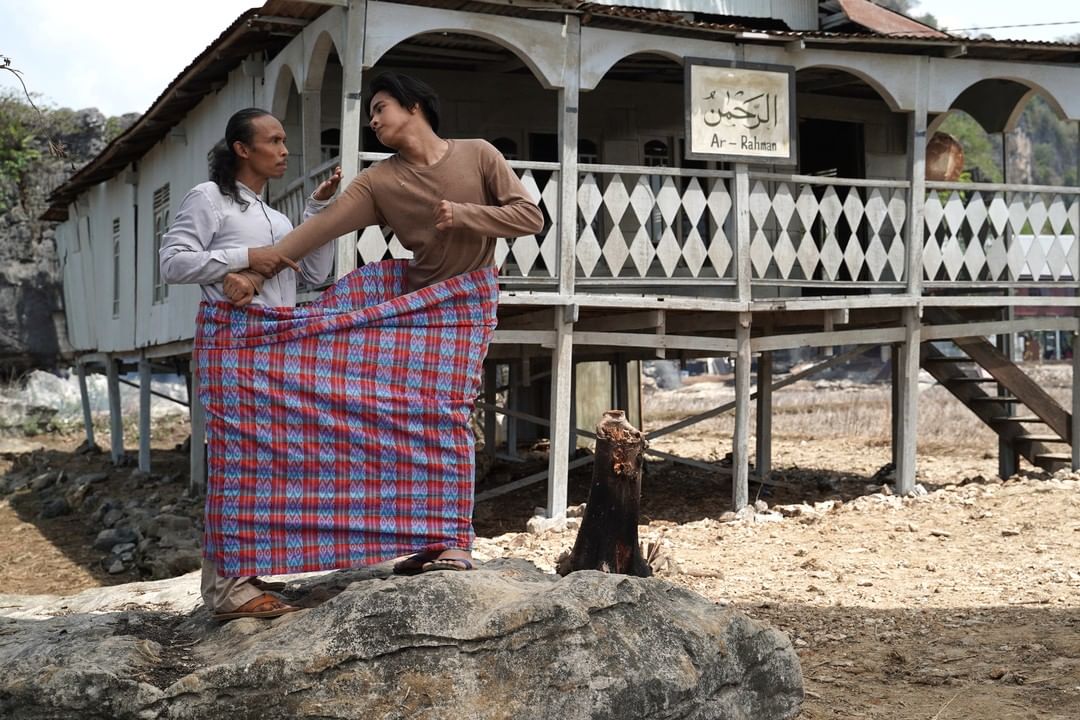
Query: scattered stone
column 116, row 566
column 941, row 533
column 728, row 517
column 163, row 523
column 1010, row 532
column 55, row 508
column 107, row 539
column 88, row 448
column 540, row 525
column 91, row 478
column 123, row 548
column 576, row 511
column 43, row 481
column 112, row 517
column 761, row 506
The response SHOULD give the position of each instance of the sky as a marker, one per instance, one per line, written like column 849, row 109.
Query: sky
column 119, row 55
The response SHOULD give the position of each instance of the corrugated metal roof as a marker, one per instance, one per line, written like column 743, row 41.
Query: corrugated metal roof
column 247, row 35
column 596, row 12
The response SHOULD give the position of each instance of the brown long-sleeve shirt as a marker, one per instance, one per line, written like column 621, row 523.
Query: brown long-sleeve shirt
column 488, row 200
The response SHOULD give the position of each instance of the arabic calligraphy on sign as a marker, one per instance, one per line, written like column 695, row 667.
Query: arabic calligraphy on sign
column 741, row 112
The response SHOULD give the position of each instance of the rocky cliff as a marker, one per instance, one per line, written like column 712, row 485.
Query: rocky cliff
column 30, row 290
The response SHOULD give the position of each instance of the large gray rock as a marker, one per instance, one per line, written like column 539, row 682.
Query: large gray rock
column 505, row 641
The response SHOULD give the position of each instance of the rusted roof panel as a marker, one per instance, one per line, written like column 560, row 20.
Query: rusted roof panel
column 885, row 22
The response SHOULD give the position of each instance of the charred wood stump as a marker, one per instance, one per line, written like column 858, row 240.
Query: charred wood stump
column 608, row 537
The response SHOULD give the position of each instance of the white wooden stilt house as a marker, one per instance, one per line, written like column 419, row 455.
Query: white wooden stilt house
column 647, row 251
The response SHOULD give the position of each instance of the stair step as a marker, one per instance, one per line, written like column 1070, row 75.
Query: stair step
column 1042, row 438
column 948, row 360
column 996, row 399
column 959, row 380
column 1056, row 457
column 1018, row 418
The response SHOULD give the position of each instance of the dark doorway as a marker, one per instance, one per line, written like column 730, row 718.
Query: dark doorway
column 543, row 147
column 832, row 148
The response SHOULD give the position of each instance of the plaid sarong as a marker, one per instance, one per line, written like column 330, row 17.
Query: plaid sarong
column 338, row 433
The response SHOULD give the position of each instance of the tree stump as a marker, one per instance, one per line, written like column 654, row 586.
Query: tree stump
column 608, row 537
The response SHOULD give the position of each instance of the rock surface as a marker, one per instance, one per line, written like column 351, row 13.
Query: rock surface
column 505, row 641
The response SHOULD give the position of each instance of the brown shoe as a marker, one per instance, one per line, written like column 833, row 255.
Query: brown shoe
column 264, row 606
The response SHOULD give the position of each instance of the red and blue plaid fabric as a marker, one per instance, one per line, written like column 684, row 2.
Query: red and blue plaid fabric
column 338, row 433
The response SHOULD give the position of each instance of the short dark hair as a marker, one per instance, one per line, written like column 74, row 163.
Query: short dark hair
column 410, row 92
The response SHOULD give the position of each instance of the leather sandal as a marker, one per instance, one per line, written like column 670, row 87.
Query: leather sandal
column 264, row 606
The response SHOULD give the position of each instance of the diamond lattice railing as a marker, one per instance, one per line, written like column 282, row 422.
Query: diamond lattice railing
column 642, row 226
column 994, row 235
column 529, row 256
column 821, row 232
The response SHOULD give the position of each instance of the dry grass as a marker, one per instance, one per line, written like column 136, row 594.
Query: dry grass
column 813, row 410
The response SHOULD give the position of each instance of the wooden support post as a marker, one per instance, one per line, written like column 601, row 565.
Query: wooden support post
column 197, row 479
column 764, row 416
column 1008, row 462
column 916, row 167
column 907, row 421
column 740, row 453
column 608, row 538
column 353, row 115
column 894, row 405
column 1074, row 419
column 741, row 201
column 491, row 379
column 88, row 417
column 621, row 384
column 561, row 428
column 145, row 376
column 563, row 437
column 116, row 420
column 311, row 142
column 513, row 402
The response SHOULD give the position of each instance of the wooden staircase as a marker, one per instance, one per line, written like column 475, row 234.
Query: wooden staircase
column 1026, row 418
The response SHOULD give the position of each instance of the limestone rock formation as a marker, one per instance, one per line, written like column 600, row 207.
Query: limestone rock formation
column 506, row 641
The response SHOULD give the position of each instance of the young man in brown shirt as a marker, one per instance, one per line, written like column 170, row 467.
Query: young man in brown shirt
column 446, row 200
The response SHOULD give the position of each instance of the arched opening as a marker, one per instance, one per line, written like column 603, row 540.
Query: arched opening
column 287, row 108
column 640, row 224
column 847, row 127
column 485, row 91
column 1042, row 148
column 325, row 76
column 1011, row 134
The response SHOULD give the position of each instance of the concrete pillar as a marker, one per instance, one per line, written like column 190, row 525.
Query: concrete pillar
column 764, row 416
column 116, row 420
column 88, row 418
column 740, row 454
column 145, row 376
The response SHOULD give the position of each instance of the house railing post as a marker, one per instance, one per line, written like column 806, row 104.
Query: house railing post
column 562, row 367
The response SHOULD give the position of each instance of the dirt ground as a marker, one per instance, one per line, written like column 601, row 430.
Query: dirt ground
column 960, row 603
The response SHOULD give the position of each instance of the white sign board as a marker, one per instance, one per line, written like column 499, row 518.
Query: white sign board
column 740, row 112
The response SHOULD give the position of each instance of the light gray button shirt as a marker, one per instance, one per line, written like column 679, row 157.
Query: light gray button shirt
column 210, row 237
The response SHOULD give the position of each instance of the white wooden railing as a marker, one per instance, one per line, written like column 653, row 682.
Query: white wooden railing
column 994, row 234
column 664, row 227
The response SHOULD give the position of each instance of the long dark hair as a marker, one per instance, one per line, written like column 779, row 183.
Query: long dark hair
column 223, row 158
column 410, row 92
